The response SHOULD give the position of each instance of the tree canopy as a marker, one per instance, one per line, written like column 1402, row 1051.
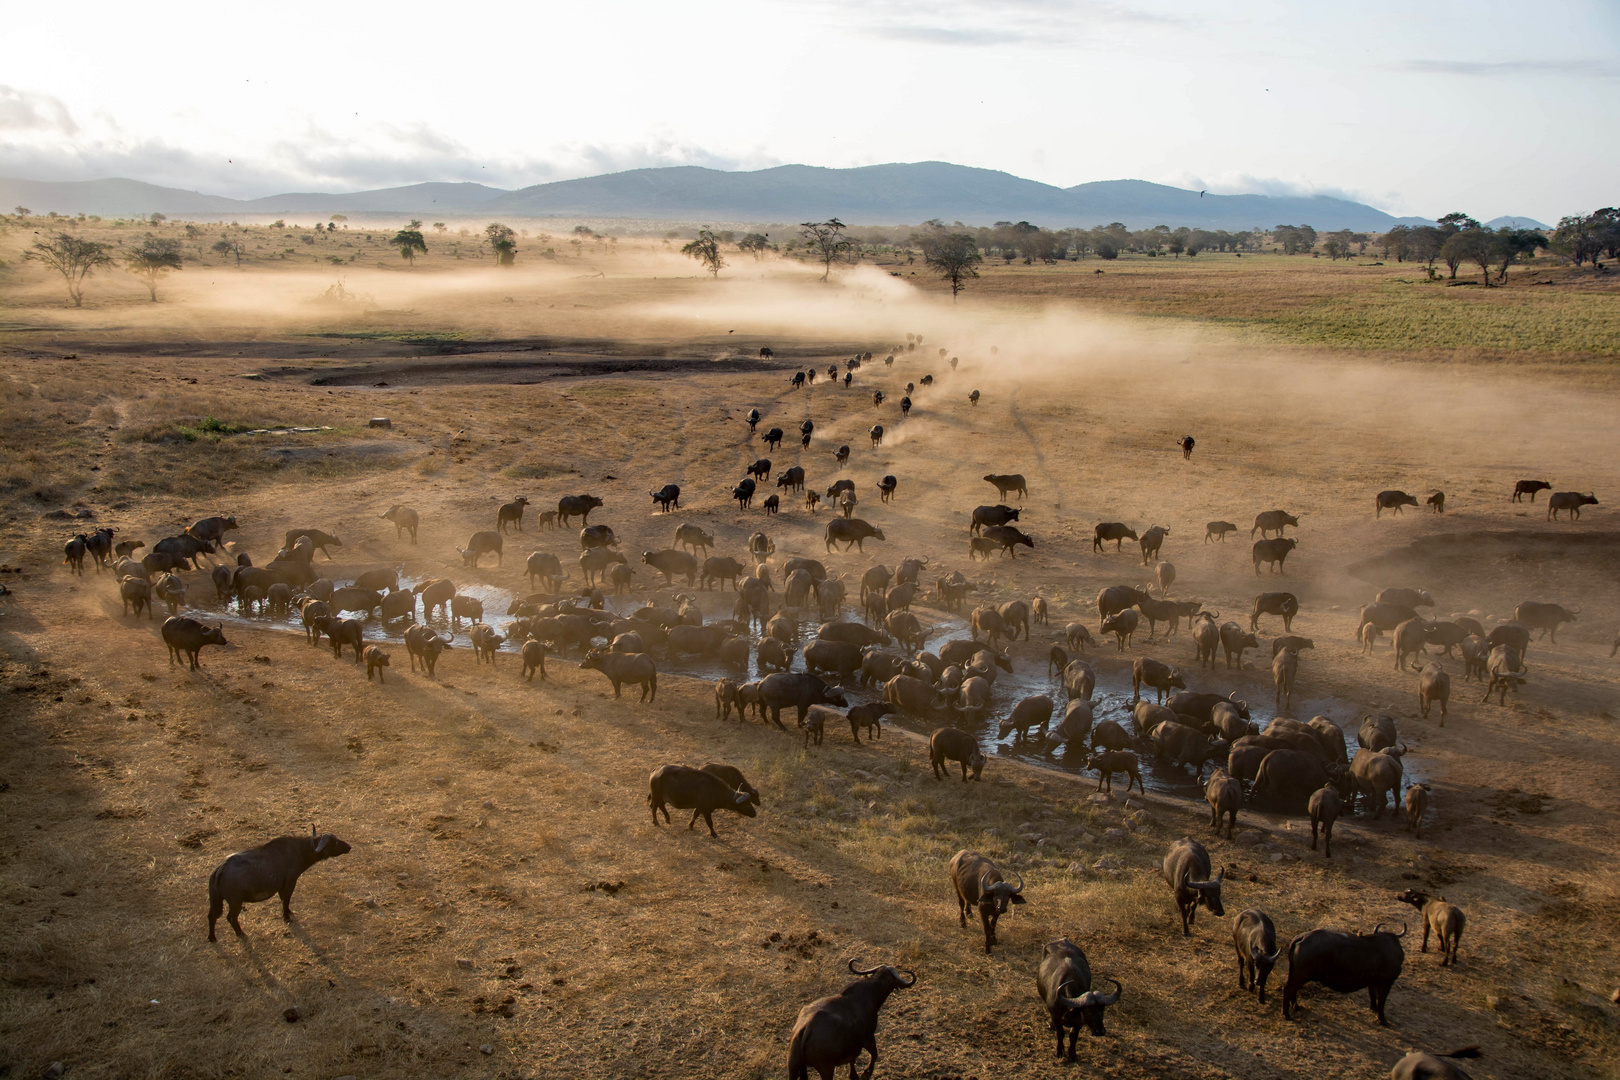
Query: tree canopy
column 706, row 250
column 151, row 259
column 73, row 258
column 409, row 241
column 953, row 256
column 827, row 240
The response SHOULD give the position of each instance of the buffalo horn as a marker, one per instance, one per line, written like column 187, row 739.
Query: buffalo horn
column 857, row 971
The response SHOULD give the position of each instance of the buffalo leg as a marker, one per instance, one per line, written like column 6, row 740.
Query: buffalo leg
column 1243, row 967
column 216, row 907
column 1424, row 947
column 231, row 917
column 286, row 901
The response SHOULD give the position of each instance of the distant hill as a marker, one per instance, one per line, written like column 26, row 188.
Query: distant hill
column 871, row 195
column 1516, row 223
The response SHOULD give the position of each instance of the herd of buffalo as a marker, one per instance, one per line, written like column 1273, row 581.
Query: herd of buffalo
column 1290, row 764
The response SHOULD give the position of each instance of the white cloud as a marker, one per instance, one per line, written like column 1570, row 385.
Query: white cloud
column 1575, row 69
column 24, row 111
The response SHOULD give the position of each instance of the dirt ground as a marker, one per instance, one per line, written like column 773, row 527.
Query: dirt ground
column 507, row 909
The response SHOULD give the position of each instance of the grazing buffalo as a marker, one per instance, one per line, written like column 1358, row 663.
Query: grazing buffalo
column 1345, row 963
column 186, row 636
column 992, row 515
column 772, row 438
column 479, row 545
column 1009, row 538
column 671, row 562
column 1506, row 671
column 1187, row 871
column 1393, row 500
column 272, row 869
column 1005, row 482
column 1273, row 553
column 797, row 691
column 1224, row 795
column 1117, row 531
column 701, row 792
column 580, row 506
column 1275, row 603
column 1544, row 617
column 1272, row 521
column 1218, row 530
column 667, row 497
column 1571, row 501
column 979, row 885
column 952, row 744
column 832, row 1031
column 1446, row 920
column 511, row 513
column 1255, row 940
column 319, row 540
column 1531, row 488
column 1162, row 678
column 1030, row 712
column 1064, row 983
column 1325, row 806
column 1152, row 540
column 851, row 532
column 1234, row 641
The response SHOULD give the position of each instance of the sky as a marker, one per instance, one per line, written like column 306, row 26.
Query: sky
column 1487, row 107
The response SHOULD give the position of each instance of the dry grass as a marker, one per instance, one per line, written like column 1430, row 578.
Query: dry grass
column 481, row 808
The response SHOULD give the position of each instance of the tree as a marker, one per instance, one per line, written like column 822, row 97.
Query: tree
column 1468, row 245
column 152, row 259
column 953, row 257
column 73, row 258
column 1338, row 244
column 409, row 241
column 229, row 247
column 755, row 242
column 158, row 219
column 706, row 250
column 1511, row 244
column 502, row 241
column 1294, row 239
column 827, row 240
column 22, row 211
column 1456, row 222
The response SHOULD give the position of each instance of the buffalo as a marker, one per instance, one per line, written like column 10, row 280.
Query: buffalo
column 953, row 744
column 1544, row 617
column 1345, row 963
column 1218, row 530
column 272, row 869
column 1272, row 521
column 851, row 532
column 1446, row 920
column 1275, row 603
column 701, row 792
column 1570, row 501
column 832, row 1031
column 1393, row 500
column 1273, row 553
column 1064, row 983
column 1324, row 807
column 186, row 636
column 1255, row 940
column 992, row 515
column 1187, row 871
column 980, row 885
column 1117, row 531
column 1006, row 482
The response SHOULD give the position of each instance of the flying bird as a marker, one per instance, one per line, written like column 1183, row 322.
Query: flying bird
column 1200, row 194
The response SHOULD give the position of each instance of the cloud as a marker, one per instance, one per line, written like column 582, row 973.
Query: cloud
column 21, row 110
column 1248, row 184
column 313, row 158
column 1006, row 22
column 1580, row 69
column 939, row 35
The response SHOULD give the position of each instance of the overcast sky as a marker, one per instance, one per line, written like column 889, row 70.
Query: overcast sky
column 1418, row 108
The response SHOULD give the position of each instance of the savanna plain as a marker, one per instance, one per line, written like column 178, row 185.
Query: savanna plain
column 508, row 910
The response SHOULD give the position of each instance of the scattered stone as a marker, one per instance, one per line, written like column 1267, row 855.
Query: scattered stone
column 1105, row 863
column 1099, row 798
column 486, row 1049
column 489, row 804
column 441, row 781
column 464, row 964
column 1114, row 834
column 1138, row 818
column 56, row 1069
column 1498, row 1002
column 1279, row 856
column 370, row 903
column 1076, row 868
column 380, row 422
column 292, row 1014
column 1248, row 838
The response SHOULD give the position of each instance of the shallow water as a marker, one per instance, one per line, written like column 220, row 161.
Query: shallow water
column 1112, row 699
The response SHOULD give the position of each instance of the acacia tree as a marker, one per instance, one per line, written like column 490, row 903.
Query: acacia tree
column 706, row 250
column 754, row 242
column 152, row 259
column 502, row 241
column 953, row 256
column 827, row 240
column 1512, row 244
column 409, row 241
column 73, row 258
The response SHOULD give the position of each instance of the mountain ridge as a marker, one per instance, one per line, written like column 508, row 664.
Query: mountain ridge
column 889, row 194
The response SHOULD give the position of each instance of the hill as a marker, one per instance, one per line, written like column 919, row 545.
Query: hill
column 874, row 195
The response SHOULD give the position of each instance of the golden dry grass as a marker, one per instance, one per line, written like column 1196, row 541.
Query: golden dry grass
column 480, row 808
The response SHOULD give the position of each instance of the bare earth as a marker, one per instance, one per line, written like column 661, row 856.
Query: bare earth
column 502, row 823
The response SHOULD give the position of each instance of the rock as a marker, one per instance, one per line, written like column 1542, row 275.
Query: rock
column 380, row 422
column 1498, row 1002
column 1615, row 997
column 1088, row 838
column 464, row 964
column 1105, row 863
column 486, row 1049
column 1248, row 838
column 1076, row 868
column 292, row 1014
column 370, row 903
column 1138, row 818
column 1114, row 834
column 489, row 804
column 1099, row 798
column 441, row 781
column 1278, row 856
column 56, row 1069
column 1264, row 847
column 1041, row 842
